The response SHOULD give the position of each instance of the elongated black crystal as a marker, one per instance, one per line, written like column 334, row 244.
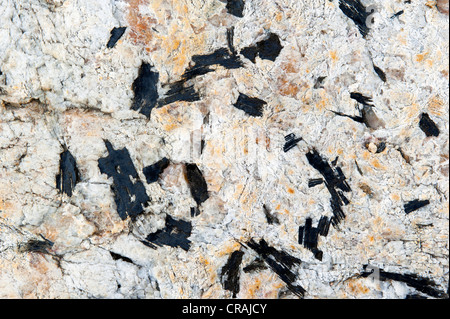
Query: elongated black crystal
column 235, row 7
column 145, row 90
column 380, row 73
column 361, row 98
column 203, row 63
column 422, row 284
column 153, row 171
column 428, row 126
column 280, row 262
column 356, row 11
column 250, row 105
column 197, row 183
column 174, row 234
column 120, row 257
column 116, row 34
column 179, row 91
column 291, row 142
column 415, row 205
column 308, row 236
column 230, row 272
column 335, row 182
column 129, row 192
column 37, row 246
column 268, row 49
column 68, row 175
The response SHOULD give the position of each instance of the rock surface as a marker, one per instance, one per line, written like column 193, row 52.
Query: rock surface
column 285, row 143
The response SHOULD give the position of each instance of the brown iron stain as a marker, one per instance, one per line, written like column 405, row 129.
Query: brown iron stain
column 443, row 6
column 398, row 74
column 289, row 67
column 140, row 26
column 38, row 262
column 286, row 87
column 366, row 189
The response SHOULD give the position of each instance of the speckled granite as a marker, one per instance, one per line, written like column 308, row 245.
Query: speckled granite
column 220, row 149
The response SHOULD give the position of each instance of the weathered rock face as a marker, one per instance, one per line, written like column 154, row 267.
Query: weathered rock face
column 219, row 149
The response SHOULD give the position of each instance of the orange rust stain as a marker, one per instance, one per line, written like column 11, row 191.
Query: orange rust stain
column 185, row 9
column 430, row 4
column 203, row 260
column 375, row 163
column 290, row 190
column 278, row 285
column 413, row 110
column 252, row 289
column 289, row 90
column 357, row 288
column 5, row 205
column 175, row 45
column 401, row 39
column 170, row 127
column 263, row 140
column 239, row 190
column 178, row 44
column 278, row 207
column 289, row 67
column 7, row 209
column 229, row 248
column 435, row 106
column 366, row 155
column 279, row 17
column 421, row 57
column 333, row 56
column 286, row 87
column 140, row 26
column 395, row 197
column 322, row 104
column 278, row 108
